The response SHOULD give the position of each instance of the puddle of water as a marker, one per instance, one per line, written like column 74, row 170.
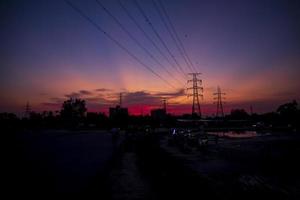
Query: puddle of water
column 234, row 134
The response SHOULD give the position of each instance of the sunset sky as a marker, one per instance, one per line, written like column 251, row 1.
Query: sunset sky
column 49, row 52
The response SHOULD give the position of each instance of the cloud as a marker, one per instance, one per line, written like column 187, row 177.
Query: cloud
column 79, row 94
column 99, row 100
column 179, row 93
column 129, row 98
column 85, row 92
column 106, row 98
column 103, row 90
column 148, row 98
column 57, row 100
column 141, row 97
column 92, row 97
column 73, row 95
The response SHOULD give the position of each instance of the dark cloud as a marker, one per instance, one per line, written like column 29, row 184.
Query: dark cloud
column 108, row 98
column 178, row 93
column 99, row 100
column 141, row 97
column 57, row 100
column 85, row 92
column 54, row 103
column 148, row 98
column 103, row 90
column 73, row 95
column 113, row 95
column 79, row 94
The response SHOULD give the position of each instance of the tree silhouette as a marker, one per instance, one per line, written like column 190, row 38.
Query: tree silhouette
column 239, row 114
column 73, row 111
column 288, row 109
column 289, row 113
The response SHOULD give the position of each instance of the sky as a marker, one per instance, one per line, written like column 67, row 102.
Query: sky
column 49, row 52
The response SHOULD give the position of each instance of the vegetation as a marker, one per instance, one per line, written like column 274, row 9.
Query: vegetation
column 74, row 115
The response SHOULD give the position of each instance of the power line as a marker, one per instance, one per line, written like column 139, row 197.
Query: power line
column 171, row 34
column 158, row 36
column 134, row 39
column 174, row 30
column 146, row 35
column 82, row 14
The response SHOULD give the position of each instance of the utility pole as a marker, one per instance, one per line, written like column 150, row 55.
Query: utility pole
column 142, row 110
column 27, row 109
column 219, row 101
column 120, row 99
column 197, row 91
column 251, row 110
column 164, row 100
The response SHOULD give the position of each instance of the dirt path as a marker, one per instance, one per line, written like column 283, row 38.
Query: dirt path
column 127, row 182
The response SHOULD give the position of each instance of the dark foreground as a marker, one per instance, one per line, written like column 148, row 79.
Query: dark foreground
column 148, row 166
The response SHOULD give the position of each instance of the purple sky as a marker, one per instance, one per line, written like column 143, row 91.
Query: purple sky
column 48, row 53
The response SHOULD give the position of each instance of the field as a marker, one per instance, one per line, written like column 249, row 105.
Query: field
column 147, row 166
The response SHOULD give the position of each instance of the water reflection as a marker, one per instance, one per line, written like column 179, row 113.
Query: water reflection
column 236, row 134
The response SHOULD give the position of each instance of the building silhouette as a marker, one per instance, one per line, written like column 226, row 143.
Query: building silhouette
column 158, row 114
column 118, row 112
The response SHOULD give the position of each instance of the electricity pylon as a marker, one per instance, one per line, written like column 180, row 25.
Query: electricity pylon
column 197, row 91
column 27, row 110
column 219, row 101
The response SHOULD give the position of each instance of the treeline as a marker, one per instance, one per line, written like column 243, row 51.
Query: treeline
column 286, row 116
column 74, row 115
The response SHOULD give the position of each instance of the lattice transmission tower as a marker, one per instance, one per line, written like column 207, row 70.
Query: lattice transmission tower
column 27, row 110
column 197, row 91
column 219, row 97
